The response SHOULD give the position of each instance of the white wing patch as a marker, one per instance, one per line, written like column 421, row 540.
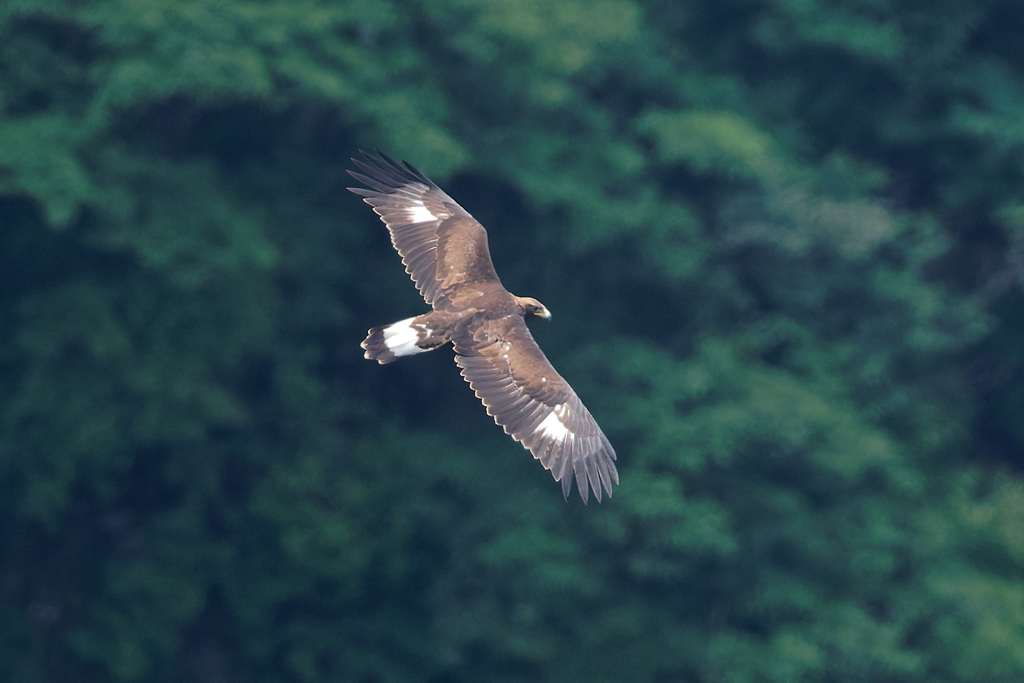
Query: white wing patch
column 552, row 427
column 401, row 337
column 419, row 213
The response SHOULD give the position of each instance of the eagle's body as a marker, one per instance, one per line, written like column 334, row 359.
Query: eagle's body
column 445, row 251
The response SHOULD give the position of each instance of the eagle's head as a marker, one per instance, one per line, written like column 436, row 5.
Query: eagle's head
column 530, row 306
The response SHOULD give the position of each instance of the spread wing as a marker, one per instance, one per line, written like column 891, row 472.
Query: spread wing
column 441, row 245
column 524, row 394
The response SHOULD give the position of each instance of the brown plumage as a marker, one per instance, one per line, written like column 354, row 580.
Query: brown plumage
column 445, row 251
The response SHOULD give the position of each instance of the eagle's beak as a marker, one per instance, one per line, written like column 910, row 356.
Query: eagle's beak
column 545, row 313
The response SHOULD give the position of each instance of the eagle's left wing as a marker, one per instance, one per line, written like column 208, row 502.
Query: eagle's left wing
column 522, row 392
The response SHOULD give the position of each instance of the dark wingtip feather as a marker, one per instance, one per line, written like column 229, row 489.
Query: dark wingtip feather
column 399, row 173
column 375, row 182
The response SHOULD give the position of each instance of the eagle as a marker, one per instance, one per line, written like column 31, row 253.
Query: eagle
column 444, row 250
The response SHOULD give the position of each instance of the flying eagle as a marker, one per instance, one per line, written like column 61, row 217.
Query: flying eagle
column 445, row 251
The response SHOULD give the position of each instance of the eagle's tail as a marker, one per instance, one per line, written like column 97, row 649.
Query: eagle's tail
column 388, row 342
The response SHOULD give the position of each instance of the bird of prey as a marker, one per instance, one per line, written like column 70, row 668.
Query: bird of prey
column 445, row 251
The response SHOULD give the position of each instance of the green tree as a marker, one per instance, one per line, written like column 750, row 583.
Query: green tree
column 782, row 244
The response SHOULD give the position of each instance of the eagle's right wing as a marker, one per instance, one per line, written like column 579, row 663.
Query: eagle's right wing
column 441, row 245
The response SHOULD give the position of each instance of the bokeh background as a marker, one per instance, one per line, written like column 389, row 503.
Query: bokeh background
column 783, row 243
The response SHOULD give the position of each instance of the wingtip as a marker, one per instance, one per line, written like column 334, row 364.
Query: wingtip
column 366, row 155
column 566, row 487
column 386, row 158
column 585, row 485
column 585, row 493
column 386, row 170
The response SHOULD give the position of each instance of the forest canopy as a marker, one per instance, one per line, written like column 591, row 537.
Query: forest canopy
column 783, row 246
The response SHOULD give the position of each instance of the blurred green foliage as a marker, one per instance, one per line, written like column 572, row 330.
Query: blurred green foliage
column 783, row 244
